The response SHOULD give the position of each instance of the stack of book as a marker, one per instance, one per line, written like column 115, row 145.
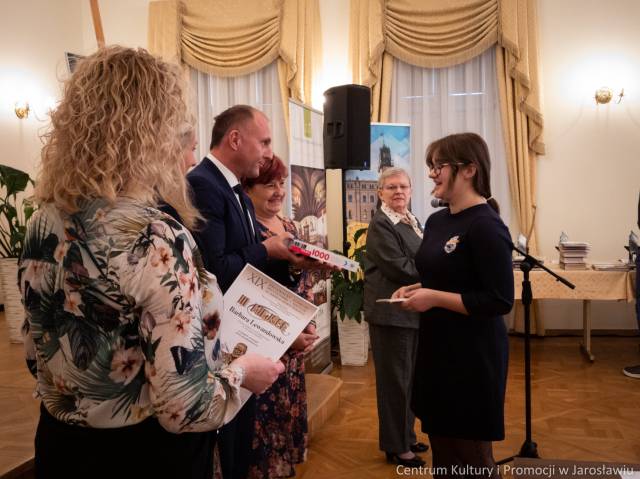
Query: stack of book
column 518, row 259
column 613, row 266
column 573, row 254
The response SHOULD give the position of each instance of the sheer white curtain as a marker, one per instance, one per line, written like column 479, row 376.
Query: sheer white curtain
column 441, row 101
column 211, row 95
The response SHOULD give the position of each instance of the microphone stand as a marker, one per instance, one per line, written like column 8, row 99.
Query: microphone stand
column 529, row 448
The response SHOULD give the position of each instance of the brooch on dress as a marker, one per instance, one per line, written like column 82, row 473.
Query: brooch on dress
column 451, row 244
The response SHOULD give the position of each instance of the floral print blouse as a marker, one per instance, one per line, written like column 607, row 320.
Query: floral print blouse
column 121, row 320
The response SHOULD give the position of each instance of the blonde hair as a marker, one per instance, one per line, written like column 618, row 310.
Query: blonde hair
column 186, row 133
column 115, row 133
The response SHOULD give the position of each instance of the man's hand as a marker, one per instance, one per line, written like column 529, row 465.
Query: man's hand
column 278, row 246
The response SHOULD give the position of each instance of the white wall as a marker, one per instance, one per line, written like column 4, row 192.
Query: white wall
column 124, row 22
column 589, row 180
column 34, row 35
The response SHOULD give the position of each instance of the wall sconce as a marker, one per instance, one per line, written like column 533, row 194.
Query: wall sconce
column 22, row 110
column 604, row 95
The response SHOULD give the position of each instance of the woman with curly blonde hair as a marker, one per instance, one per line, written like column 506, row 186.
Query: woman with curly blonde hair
column 112, row 136
column 121, row 317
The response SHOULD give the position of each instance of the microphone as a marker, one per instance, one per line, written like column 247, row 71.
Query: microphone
column 438, row 203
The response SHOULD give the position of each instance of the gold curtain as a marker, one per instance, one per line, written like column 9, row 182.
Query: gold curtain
column 437, row 34
column 164, row 30
column 522, row 123
column 223, row 40
column 367, row 54
column 426, row 33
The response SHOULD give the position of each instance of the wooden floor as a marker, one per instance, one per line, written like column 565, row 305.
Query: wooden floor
column 19, row 411
column 581, row 411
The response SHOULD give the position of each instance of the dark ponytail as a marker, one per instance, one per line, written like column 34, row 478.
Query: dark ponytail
column 494, row 204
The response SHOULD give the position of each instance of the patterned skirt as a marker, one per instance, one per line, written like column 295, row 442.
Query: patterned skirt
column 280, row 435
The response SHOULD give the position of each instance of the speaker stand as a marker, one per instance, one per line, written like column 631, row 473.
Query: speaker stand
column 345, row 239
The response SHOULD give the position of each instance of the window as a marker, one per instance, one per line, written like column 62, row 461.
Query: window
column 441, row 101
column 260, row 89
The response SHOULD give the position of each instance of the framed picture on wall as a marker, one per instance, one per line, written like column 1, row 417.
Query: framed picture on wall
column 72, row 60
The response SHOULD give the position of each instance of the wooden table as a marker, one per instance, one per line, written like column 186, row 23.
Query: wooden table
column 590, row 285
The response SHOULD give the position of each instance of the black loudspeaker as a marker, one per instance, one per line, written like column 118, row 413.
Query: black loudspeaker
column 347, row 127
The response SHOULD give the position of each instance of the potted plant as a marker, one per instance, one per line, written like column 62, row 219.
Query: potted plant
column 347, row 292
column 14, row 214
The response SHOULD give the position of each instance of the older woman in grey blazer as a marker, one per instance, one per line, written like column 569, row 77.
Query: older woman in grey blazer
column 393, row 239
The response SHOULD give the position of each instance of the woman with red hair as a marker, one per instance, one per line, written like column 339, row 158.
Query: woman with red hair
column 280, row 435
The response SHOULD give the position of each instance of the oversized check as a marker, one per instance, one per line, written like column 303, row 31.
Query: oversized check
column 307, row 249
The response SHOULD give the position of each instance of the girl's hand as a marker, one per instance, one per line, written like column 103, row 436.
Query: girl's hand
column 402, row 292
column 419, row 300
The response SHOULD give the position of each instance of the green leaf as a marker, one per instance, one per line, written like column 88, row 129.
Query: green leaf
column 359, row 255
column 15, row 181
column 347, row 288
column 353, row 304
column 10, row 212
column 358, row 234
column 340, row 288
column 13, row 213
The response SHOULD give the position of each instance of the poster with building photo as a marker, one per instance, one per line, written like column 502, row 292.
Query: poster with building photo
column 72, row 60
column 309, row 213
column 307, row 209
column 390, row 146
column 309, row 204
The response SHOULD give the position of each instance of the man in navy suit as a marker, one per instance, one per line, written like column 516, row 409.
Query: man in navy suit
column 240, row 142
column 229, row 237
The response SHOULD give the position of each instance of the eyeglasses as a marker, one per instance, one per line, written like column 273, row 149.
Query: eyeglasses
column 396, row 187
column 436, row 169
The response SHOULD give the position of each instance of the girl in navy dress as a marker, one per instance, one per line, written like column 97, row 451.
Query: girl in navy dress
column 466, row 286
